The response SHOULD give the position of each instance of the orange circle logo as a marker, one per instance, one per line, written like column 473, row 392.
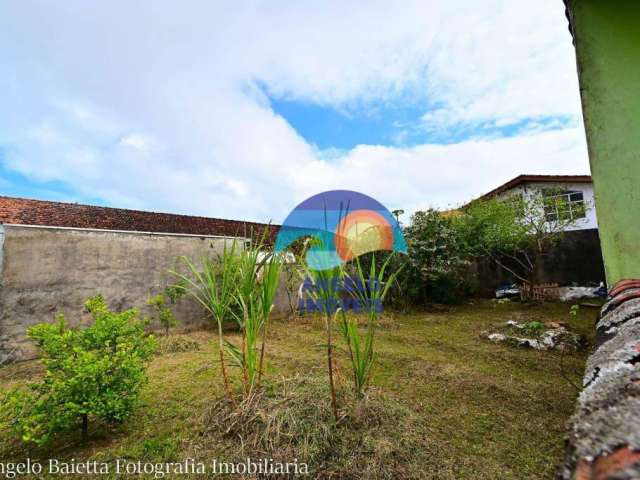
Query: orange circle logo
column 362, row 231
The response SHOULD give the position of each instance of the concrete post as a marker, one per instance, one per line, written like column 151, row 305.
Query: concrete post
column 604, row 437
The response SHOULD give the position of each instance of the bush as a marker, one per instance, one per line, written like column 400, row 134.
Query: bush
column 535, row 327
column 163, row 314
column 93, row 372
column 436, row 268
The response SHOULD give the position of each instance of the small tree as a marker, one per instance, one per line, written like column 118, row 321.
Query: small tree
column 93, row 372
column 517, row 232
column 163, row 314
column 163, row 310
column 438, row 258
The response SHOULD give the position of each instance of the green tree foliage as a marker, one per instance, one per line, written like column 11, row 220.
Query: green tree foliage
column 517, row 232
column 438, row 260
column 93, row 372
column 162, row 305
column 163, row 314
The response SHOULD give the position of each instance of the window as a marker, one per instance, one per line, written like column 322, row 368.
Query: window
column 563, row 206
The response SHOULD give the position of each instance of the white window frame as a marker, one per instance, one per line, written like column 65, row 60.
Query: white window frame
column 552, row 213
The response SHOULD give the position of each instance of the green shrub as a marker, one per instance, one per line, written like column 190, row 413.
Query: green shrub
column 436, row 269
column 163, row 314
column 163, row 311
column 535, row 326
column 90, row 373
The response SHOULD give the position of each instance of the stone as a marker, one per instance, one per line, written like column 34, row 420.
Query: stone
column 497, row 337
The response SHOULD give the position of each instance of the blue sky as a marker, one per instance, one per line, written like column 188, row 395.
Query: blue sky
column 396, row 124
column 243, row 109
column 330, row 128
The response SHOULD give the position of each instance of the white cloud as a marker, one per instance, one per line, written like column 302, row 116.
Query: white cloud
column 156, row 105
column 446, row 175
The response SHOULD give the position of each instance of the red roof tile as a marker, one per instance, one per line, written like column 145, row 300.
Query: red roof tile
column 24, row 211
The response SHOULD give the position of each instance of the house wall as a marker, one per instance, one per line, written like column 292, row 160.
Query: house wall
column 50, row 270
column 589, row 222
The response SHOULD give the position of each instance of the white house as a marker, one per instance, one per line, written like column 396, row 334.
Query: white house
column 576, row 259
column 578, row 190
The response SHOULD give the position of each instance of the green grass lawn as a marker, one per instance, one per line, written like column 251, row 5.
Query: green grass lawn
column 473, row 409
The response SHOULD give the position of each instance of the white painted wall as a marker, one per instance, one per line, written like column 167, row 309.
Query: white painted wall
column 590, row 220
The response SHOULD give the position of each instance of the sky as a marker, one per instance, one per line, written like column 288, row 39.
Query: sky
column 243, row 109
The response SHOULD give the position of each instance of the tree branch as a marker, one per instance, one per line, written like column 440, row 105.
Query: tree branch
column 500, row 264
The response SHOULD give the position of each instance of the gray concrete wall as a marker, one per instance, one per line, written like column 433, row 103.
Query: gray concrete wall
column 44, row 271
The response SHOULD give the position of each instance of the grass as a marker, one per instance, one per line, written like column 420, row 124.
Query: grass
column 444, row 404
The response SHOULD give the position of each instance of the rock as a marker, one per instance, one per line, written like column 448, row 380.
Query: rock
column 568, row 294
column 531, row 343
column 549, row 339
column 497, row 337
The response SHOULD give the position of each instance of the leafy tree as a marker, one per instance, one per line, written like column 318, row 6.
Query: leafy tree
column 517, row 232
column 163, row 312
column 92, row 372
column 438, row 259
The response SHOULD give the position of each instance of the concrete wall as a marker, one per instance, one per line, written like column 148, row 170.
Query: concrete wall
column 50, row 270
column 576, row 258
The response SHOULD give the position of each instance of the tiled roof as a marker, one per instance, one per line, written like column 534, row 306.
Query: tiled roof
column 24, row 211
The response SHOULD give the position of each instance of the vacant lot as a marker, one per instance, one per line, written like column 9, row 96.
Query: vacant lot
column 462, row 407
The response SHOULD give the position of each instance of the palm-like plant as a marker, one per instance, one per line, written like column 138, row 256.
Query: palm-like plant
column 242, row 285
column 369, row 292
column 257, row 284
column 213, row 285
column 325, row 293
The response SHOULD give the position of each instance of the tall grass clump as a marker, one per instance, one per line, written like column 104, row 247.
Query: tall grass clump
column 239, row 284
column 325, row 294
column 213, row 285
column 291, row 418
column 368, row 290
column 257, row 283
